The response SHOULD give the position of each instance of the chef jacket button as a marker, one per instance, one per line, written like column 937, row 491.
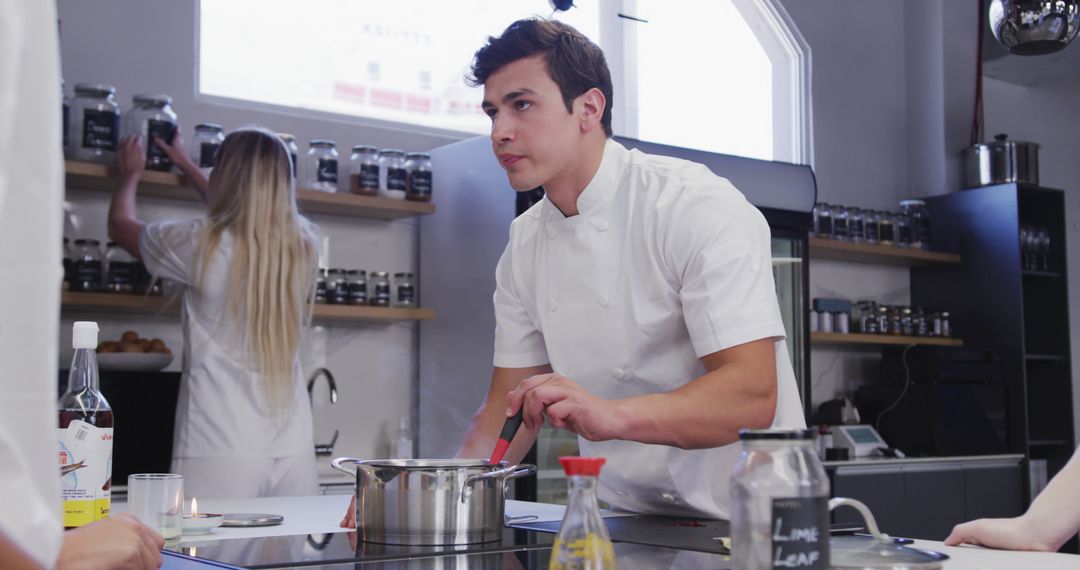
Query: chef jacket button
column 618, row 373
column 604, row 300
column 553, row 305
column 602, row 226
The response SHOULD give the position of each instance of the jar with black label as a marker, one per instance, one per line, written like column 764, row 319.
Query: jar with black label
column 364, row 170
column 356, row 285
column 921, row 326
column 902, row 225
column 150, row 117
column 871, row 226
column 884, row 322
column 886, row 228
column 379, row 283
column 119, row 269
column 86, row 266
column 779, row 502
column 67, row 264
column 919, row 217
column 94, row 128
column 855, row 225
column 944, row 326
column 840, row 223
column 392, row 174
column 337, row 289
column 823, row 226
column 322, row 164
column 907, row 321
column 404, row 290
column 294, row 152
column 418, row 176
column 320, row 285
column 204, row 148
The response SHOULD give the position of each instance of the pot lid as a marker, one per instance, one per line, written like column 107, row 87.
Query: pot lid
column 1002, row 140
column 848, row 552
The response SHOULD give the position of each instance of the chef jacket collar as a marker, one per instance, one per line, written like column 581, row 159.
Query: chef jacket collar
column 602, row 187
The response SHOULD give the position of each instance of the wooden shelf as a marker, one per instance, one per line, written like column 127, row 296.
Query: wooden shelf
column 141, row 304
column 823, row 248
column 102, row 178
column 874, row 339
column 1041, row 274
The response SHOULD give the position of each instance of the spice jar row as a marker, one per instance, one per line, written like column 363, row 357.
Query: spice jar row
column 871, row 317
column 88, row 269
column 388, row 172
column 358, row 287
column 910, row 227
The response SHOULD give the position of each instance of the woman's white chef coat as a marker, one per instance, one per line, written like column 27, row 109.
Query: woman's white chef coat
column 222, row 409
column 31, row 204
column 665, row 263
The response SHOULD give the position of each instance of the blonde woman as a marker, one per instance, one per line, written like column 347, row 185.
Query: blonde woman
column 243, row 423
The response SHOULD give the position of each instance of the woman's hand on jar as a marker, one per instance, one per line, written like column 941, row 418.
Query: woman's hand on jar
column 175, row 149
column 131, row 159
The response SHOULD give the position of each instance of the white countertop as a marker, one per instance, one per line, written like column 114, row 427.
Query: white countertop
column 322, row 514
column 1004, row 457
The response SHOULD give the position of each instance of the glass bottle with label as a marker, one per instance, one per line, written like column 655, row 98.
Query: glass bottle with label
column 322, row 165
column 583, row 541
column 404, row 290
column 94, row 127
column 779, row 502
column 204, row 147
column 119, row 269
column 364, row 170
column 85, row 435
column 150, row 117
column 418, row 176
column 392, row 174
column 294, row 152
column 86, row 267
column 379, row 285
column 356, row 286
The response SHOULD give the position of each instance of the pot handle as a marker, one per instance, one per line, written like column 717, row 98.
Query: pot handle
column 506, row 473
column 868, row 517
column 337, row 464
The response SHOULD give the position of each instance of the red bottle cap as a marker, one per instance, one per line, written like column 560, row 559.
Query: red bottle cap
column 588, row 466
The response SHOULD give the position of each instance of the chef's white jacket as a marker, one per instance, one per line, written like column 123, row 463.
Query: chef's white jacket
column 664, row 264
column 31, row 208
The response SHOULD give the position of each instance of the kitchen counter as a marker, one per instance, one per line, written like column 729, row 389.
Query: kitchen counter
column 310, row 537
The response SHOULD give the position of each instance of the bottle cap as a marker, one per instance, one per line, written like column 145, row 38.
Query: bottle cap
column 587, row 466
column 84, row 334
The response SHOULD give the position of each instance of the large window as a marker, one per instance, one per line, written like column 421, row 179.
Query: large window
column 725, row 76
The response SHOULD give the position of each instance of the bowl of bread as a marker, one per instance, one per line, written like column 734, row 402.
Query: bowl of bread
column 133, row 352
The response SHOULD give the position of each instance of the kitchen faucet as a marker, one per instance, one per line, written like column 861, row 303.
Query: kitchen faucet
column 324, row 449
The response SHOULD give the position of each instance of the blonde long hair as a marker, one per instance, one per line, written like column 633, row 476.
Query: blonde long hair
column 252, row 196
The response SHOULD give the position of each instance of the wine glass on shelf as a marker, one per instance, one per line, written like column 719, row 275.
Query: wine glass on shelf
column 1042, row 236
column 1025, row 245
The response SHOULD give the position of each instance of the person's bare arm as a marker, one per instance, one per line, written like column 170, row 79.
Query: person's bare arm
column 1052, row 518
column 124, row 225
column 737, row 391
column 484, row 430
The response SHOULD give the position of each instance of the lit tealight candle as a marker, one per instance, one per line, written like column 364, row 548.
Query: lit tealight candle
column 200, row 523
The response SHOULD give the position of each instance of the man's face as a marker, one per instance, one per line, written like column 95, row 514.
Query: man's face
column 533, row 135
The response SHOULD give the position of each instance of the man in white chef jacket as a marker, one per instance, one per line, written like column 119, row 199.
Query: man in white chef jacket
column 635, row 303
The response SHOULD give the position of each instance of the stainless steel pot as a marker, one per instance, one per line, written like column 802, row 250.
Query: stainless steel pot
column 430, row 501
column 1002, row 161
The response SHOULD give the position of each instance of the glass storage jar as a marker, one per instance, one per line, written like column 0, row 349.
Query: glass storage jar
column 337, row 288
column 86, row 266
column 322, row 165
column 886, row 228
column 418, row 176
column 840, row 223
column 204, row 147
column 902, row 227
column 320, row 285
column 871, row 227
column 150, row 117
column 392, row 174
column 364, row 170
column 855, row 225
column 404, row 290
column 823, row 226
column 379, row 283
column 356, row 286
column 919, row 218
column 119, row 269
column 294, row 152
column 94, row 128
column 779, row 502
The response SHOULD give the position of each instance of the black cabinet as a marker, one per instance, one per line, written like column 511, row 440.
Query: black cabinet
column 925, row 499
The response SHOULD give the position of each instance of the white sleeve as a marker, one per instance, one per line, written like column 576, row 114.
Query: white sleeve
column 518, row 341
column 168, row 249
column 719, row 247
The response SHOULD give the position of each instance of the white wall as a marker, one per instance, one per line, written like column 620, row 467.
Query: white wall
column 150, row 47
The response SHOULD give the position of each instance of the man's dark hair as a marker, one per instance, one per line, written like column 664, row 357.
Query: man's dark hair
column 573, row 61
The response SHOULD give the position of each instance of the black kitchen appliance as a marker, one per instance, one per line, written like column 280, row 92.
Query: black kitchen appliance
column 937, row 401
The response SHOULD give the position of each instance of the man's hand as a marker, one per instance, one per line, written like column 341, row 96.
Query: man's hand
column 566, row 405
column 116, row 543
column 131, row 159
column 1009, row 534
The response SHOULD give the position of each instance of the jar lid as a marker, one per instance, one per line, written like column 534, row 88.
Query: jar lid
column 418, row 156
column 322, row 143
column 337, row 270
column 379, row 274
column 911, row 202
column 586, row 466
column 95, row 89
column 775, row 434
column 286, row 137
column 354, row 272
column 153, row 99
column 403, row 274
column 392, row 152
column 364, row 148
column 214, row 127
column 87, row 242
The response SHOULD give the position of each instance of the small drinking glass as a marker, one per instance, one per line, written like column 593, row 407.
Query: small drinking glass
column 157, row 499
column 1025, row 246
column 1043, row 238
